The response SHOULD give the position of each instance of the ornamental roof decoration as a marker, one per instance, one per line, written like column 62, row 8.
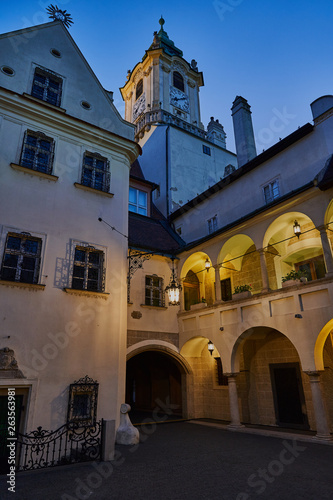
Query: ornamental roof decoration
column 59, row 15
column 162, row 41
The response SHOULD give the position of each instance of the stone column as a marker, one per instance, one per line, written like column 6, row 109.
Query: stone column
column 326, row 250
column 323, row 430
column 218, row 296
column 233, row 401
column 264, row 274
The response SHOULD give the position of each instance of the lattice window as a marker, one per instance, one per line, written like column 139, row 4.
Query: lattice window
column 47, row 86
column 82, row 403
column 21, row 260
column 88, row 272
column 37, row 152
column 154, row 295
column 96, row 172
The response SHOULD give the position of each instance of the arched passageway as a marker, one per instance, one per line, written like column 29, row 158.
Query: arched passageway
column 154, row 383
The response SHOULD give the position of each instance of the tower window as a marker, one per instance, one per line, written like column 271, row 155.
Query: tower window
column 206, row 150
column 139, row 89
column 178, row 81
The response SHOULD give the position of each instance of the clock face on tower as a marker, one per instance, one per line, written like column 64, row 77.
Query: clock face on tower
column 139, row 106
column 179, row 99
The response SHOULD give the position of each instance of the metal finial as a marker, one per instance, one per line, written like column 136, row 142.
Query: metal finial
column 59, row 15
column 161, row 21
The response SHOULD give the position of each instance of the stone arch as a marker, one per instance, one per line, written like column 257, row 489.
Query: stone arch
column 195, row 265
column 239, row 265
column 272, row 387
column 286, row 252
column 319, row 346
column 158, row 377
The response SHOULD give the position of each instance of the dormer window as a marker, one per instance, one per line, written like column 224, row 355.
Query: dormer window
column 138, row 201
column 178, row 81
column 139, row 89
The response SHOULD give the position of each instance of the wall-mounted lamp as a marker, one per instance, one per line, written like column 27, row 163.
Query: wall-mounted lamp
column 207, row 265
column 211, row 347
column 297, row 229
column 173, row 288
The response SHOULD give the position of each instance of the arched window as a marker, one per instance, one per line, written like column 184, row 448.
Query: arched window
column 139, row 89
column 178, row 81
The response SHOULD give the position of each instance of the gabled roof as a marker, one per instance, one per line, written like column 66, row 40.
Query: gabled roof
column 26, row 33
column 147, row 233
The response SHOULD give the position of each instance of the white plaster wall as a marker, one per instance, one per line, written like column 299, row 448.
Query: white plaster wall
column 294, row 167
column 153, row 318
column 58, row 337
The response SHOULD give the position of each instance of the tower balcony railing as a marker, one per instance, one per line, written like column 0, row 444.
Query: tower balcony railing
column 160, row 116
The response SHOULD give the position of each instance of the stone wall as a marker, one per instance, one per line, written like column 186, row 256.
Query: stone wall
column 254, row 381
column 135, row 336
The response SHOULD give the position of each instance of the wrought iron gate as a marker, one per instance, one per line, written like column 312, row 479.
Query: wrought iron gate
column 69, row 444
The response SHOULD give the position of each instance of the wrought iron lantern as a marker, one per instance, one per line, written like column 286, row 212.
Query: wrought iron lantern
column 297, row 229
column 207, row 265
column 211, row 347
column 174, row 288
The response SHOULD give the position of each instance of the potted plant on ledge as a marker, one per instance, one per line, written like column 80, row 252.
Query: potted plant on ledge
column 242, row 292
column 294, row 278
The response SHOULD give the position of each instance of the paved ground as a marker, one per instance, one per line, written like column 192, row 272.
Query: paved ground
column 183, row 461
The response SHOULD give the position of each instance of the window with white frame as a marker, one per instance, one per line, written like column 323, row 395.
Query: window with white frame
column 21, row 259
column 88, row 269
column 212, row 224
column 138, row 201
column 47, row 86
column 96, row 172
column 271, row 191
column 37, row 152
column 154, row 295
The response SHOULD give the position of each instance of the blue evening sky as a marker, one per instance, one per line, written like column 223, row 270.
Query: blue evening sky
column 276, row 54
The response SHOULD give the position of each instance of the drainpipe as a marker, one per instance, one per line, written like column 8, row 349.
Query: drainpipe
column 167, row 169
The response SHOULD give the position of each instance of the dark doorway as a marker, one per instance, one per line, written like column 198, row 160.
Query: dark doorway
column 288, row 395
column 20, row 403
column 191, row 290
column 153, row 381
column 226, row 293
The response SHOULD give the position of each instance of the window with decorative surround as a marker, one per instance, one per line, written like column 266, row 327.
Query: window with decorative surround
column 37, row 152
column 47, row 86
column 271, row 191
column 82, row 403
column 88, row 270
column 154, row 295
column 138, row 201
column 21, row 259
column 96, row 172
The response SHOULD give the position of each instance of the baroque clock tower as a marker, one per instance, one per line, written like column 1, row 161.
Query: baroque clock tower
column 161, row 97
column 163, row 80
